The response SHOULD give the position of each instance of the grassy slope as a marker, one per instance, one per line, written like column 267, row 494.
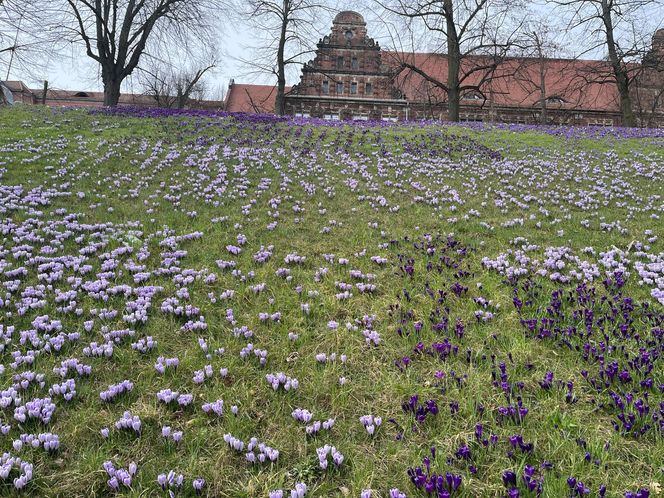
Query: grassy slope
column 374, row 386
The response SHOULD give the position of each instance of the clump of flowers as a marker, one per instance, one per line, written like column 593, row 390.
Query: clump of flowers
column 115, row 390
column 315, row 428
column 119, row 477
column 299, row 491
column 433, row 483
column 280, row 379
column 216, row 407
column 370, row 423
column 172, row 482
column 168, row 396
column 165, row 363
column 421, row 411
column 323, row 452
column 129, row 422
column 257, row 452
column 41, row 409
column 302, row 415
column 50, row 442
column 9, row 463
column 167, row 433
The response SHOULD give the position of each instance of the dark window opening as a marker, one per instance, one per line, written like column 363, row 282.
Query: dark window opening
column 81, row 94
column 471, row 96
column 326, row 87
column 353, row 88
column 340, row 62
column 340, row 87
column 368, row 90
column 354, row 64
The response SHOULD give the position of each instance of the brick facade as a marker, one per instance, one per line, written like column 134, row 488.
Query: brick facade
column 347, row 79
column 352, row 78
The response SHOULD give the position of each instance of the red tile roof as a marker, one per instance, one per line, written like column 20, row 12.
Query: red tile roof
column 92, row 99
column 251, row 98
column 582, row 84
column 76, row 98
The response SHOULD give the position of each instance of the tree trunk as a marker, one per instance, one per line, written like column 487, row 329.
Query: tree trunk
column 626, row 108
column 111, row 91
column 542, row 76
column 619, row 70
column 280, row 101
column 453, row 63
column 453, row 104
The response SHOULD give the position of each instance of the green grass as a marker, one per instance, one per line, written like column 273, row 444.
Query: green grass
column 100, row 156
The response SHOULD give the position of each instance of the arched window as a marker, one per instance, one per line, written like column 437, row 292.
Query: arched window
column 555, row 100
column 81, row 94
column 472, row 96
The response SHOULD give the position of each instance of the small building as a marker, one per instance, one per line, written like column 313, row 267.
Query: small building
column 255, row 99
column 21, row 94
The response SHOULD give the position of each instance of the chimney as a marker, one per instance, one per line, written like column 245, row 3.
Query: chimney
column 658, row 41
column 655, row 56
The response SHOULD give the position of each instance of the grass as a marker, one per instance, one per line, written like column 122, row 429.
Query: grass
column 438, row 177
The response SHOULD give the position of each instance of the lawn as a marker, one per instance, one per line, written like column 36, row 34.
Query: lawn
column 243, row 306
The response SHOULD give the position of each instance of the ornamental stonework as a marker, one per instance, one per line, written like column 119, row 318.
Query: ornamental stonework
column 346, row 77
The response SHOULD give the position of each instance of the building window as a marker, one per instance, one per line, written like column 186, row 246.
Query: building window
column 340, row 62
column 331, row 117
column 353, row 88
column 354, row 64
column 340, row 87
column 326, row 87
column 368, row 89
column 555, row 100
column 471, row 96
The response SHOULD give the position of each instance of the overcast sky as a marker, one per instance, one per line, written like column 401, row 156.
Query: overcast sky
column 75, row 71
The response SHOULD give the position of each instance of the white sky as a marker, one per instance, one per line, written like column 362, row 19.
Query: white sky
column 75, row 71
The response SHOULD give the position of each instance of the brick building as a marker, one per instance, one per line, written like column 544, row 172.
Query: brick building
column 21, row 94
column 348, row 78
column 352, row 78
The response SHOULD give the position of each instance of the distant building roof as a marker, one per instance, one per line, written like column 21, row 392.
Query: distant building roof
column 77, row 98
column 251, row 98
column 16, row 86
column 516, row 82
column 92, row 99
column 7, row 95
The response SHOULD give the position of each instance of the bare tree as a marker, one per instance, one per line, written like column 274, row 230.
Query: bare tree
column 621, row 28
column 116, row 33
column 288, row 28
column 649, row 90
column 476, row 35
column 24, row 44
column 172, row 87
column 539, row 72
